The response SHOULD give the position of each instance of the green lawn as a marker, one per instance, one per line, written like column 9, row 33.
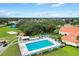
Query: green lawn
column 65, row 51
column 4, row 34
column 13, row 50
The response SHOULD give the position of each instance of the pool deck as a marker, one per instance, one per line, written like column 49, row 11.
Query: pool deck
column 24, row 49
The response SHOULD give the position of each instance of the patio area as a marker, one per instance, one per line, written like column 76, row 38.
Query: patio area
column 24, row 50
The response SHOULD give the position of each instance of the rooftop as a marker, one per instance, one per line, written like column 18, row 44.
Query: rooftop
column 73, row 32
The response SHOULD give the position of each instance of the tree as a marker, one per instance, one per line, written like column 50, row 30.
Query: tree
column 34, row 27
column 77, row 37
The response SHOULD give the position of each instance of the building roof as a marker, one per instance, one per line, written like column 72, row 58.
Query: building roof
column 73, row 32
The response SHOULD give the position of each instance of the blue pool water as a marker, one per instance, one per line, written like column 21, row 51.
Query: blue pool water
column 38, row 45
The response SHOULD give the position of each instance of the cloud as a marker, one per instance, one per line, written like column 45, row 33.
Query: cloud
column 46, row 14
column 39, row 3
column 5, row 13
column 1, row 10
column 54, row 14
column 51, row 4
column 56, row 4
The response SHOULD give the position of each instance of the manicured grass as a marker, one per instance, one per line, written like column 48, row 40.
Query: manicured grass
column 12, row 50
column 4, row 30
column 65, row 51
column 4, row 34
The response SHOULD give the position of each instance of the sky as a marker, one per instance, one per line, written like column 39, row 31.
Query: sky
column 39, row 10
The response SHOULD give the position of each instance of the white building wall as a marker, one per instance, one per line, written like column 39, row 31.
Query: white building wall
column 70, row 43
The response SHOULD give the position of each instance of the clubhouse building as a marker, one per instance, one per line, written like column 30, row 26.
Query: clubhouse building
column 70, row 34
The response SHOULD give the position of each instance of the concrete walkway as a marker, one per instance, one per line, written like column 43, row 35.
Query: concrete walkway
column 2, row 49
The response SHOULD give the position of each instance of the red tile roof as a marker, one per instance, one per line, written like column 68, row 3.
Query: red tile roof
column 73, row 33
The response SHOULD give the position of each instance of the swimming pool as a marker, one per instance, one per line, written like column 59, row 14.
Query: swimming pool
column 38, row 45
